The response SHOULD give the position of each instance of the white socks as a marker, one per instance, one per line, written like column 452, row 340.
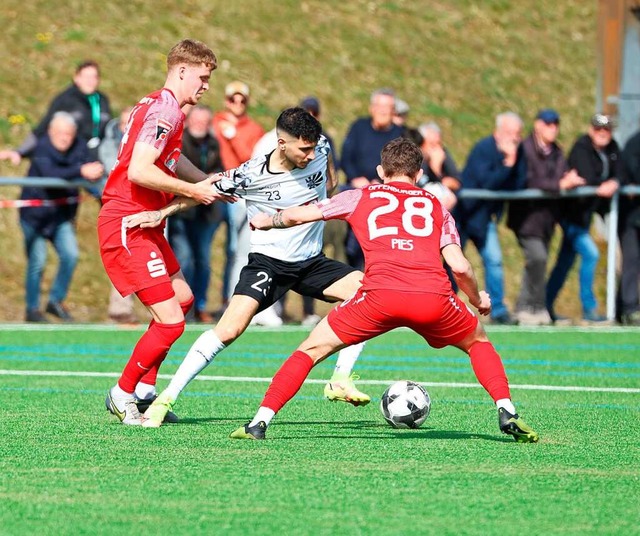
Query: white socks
column 145, row 391
column 506, row 403
column 347, row 358
column 201, row 353
column 263, row 414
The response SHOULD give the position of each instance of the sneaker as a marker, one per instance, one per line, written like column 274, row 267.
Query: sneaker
column 342, row 388
column 631, row 319
column 310, row 320
column 593, row 316
column 125, row 409
column 36, row 316
column 59, row 310
column 533, row 317
column 256, row 431
column 516, row 427
column 504, row 320
column 158, row 410
column 267, row 318
column 143, row 406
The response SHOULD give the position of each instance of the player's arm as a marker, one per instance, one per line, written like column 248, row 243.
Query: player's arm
column 286, row 218
column 153, row 218
column 187, row 171
column 465, row 278
column 144, row 172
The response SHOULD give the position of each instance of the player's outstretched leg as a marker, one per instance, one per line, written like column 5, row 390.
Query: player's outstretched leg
column 513, row 425
column 341, row 386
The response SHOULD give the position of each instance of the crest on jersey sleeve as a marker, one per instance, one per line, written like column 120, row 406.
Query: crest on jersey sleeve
column 163, row 128
column 172, row 160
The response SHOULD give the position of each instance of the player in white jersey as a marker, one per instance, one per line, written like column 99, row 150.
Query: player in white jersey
column 298, row 172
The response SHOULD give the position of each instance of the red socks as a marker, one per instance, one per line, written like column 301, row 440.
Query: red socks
column 489, row 370
column 151, row 377
column 147, row 355
column 287, row 381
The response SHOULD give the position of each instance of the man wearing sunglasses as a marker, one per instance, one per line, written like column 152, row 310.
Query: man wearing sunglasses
column 594, row 156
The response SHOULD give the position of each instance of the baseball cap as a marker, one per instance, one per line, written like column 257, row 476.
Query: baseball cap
column 549, row 116
column 401, row 107
column 311, row 104
column 236, row 87
column 601, row 121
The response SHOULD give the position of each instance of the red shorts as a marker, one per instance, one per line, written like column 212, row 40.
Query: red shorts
column 135, row 259
column 441, row 320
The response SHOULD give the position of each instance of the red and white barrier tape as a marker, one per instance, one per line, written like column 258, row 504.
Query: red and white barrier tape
column 22, row 203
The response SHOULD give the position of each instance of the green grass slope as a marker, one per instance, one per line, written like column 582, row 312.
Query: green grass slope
column 459, row 63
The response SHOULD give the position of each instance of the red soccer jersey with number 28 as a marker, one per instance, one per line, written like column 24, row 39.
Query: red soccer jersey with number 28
column 158, row 121
column 401, row 229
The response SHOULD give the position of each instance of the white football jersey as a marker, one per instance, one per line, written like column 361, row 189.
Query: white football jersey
column 271, row 192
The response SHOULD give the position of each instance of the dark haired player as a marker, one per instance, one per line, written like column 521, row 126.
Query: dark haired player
column 298, row 172
column 403, row 231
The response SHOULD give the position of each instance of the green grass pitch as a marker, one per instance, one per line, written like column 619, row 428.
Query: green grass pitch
column 68, row 467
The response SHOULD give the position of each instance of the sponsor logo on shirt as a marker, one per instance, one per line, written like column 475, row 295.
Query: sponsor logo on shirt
column 162, row 129
column 315, row 180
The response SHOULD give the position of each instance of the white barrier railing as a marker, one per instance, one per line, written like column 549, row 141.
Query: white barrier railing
column 583, row 191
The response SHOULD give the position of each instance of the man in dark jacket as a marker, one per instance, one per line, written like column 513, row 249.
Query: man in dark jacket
column 191, row 232
column 534, row 221
column 49, row 213
column 88, row 106
column 594, row 156
column 495, row 163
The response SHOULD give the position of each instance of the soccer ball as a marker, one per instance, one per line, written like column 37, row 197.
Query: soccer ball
column 405, row 404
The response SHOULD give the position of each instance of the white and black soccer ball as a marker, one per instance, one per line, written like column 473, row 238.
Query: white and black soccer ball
column 405, row 404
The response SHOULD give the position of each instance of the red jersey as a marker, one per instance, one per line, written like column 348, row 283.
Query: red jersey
column 401, row 229
column 158, row 121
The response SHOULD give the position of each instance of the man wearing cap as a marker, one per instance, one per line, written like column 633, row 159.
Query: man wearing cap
column 237, row 135
column 533, row 221
column 235, row 130
column 594, row 156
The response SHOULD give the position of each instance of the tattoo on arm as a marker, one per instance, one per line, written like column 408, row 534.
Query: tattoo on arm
column 277, row 221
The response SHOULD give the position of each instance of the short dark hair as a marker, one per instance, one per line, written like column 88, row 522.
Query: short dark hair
column 401, row 157
column 299, row 123
column 87, row 63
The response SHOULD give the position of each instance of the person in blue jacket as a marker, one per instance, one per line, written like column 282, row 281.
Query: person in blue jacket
column 495, row 163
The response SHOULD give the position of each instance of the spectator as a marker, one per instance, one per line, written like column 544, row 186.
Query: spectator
column 594, row 156
column 400, row 113
column 361, row 154
column 88, row 106
column 495, row 163
column 191, row 232
column 59, row 153
column 441, row 176
column 120, row 308
column 237, row 135
column 534, row 221
column 629, row 233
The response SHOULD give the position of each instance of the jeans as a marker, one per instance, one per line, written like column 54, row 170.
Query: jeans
column 66, row 246
column 491, row 254
column 191, row 240
column 576, row 240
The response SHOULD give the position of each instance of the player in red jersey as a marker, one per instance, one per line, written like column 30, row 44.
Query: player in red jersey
column 146, row 176
column 403, row 231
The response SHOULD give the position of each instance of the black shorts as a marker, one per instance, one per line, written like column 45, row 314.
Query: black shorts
column 267, row 279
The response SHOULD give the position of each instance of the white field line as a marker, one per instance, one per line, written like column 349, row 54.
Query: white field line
column 250, row 379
